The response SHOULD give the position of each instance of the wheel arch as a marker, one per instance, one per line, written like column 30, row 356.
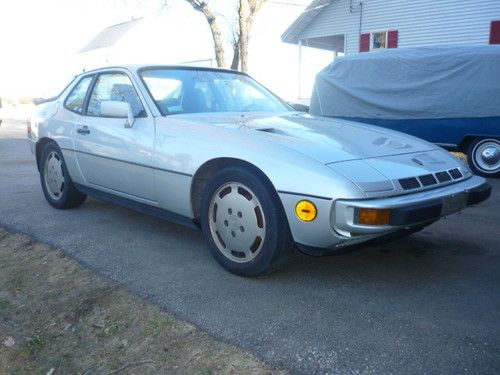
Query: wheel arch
column 208, row 169
column 469, row 138
column 39, row 147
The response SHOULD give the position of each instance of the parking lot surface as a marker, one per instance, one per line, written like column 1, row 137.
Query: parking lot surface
column 429, row 303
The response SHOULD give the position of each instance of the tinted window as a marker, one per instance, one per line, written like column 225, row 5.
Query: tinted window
column 178, row 91
column 75, row 99
column 117, row 87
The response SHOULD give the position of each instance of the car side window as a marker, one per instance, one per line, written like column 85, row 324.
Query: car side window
column 75, row 100
column 116, row 87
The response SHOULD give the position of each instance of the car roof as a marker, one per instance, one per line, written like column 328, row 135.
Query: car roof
column 140, row 67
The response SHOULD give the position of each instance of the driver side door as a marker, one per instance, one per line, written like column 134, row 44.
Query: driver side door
column 112, row 157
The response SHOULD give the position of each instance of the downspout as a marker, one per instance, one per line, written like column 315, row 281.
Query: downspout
column 360, row 18
column 358, row 8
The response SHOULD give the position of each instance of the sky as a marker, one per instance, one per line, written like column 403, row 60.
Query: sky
column 40, row 40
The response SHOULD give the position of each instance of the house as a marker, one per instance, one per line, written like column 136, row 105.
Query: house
column 102, row 49
column 352, row 26
column 151, row 39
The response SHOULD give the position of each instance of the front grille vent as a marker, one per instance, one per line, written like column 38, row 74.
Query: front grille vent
column 430, row 179
column 443, row 176
column 455, row 173
column 409, row 183
column 427, row 180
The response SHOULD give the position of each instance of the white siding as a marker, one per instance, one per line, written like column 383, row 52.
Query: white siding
column 419, row 22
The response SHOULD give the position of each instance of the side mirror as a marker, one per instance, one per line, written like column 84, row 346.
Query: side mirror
column 299, row 107
column 112, row 108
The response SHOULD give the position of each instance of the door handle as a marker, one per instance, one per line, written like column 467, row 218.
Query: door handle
column 83, row 130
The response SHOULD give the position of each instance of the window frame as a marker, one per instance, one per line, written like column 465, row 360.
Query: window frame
column 84, row 106
column 386, row 31
column 91, row 89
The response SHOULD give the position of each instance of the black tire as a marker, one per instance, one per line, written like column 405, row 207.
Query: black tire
column 69, row 196
column 474, row 155
column 277, row 238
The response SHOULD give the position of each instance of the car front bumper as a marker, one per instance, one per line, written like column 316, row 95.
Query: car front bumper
column 411, row 209
column 335, row 226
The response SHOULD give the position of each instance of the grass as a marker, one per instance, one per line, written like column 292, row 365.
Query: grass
column 62, row 316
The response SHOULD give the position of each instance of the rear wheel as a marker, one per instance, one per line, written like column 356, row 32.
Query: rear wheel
column 483, row 156
column 57, row 185
column 243, row 222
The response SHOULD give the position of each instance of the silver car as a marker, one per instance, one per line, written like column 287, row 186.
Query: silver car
column 213, row 149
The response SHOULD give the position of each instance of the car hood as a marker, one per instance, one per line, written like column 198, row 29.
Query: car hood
column 324, row 139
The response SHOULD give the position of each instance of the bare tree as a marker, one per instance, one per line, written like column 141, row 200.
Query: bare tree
column 246, row 12
column 202, row 6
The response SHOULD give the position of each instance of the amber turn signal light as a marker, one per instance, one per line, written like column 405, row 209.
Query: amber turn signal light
column 306, row 211
column 372, row 216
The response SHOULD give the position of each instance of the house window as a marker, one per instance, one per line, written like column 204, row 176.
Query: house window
column 379, row 40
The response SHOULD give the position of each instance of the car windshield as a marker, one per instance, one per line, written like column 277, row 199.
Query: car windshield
column 179, row 91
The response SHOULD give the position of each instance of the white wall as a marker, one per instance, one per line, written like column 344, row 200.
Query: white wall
column 419, row 22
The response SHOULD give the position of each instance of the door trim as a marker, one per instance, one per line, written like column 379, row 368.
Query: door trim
column 131, row 162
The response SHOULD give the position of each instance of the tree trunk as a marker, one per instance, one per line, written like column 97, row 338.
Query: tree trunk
column 246, row 15
column 243, row 17
column 236, row 54
column 201, row 6
column 247, row 9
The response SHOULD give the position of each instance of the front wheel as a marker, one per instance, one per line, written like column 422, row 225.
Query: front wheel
column 483, row 156
column 243, row 222
column 57, row 185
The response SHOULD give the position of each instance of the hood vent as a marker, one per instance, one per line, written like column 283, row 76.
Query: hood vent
column 430, row 179
column 409, row 183
column 443, row 176
column 271, row 130
column 455, row 173
column 427, row 180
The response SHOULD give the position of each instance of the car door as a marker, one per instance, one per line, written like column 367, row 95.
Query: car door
column 113, row 157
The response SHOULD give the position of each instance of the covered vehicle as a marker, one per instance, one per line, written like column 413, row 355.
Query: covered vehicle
column 448, row 95
column 213, row 149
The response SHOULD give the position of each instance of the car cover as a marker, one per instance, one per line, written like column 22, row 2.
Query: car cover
column 411, row 83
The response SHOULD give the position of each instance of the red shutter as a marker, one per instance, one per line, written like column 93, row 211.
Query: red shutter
column 364, row 42
column 495, row 32
column 392, row 39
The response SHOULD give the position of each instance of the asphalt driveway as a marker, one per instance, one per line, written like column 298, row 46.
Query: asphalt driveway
column 426, row 304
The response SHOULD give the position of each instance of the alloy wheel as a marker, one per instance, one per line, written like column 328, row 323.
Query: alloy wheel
column 237, row 222
column 54, row 175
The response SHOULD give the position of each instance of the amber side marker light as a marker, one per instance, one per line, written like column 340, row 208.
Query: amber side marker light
column 372, row 216
column 306, row 211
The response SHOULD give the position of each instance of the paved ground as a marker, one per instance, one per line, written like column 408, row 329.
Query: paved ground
column 426, row 304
